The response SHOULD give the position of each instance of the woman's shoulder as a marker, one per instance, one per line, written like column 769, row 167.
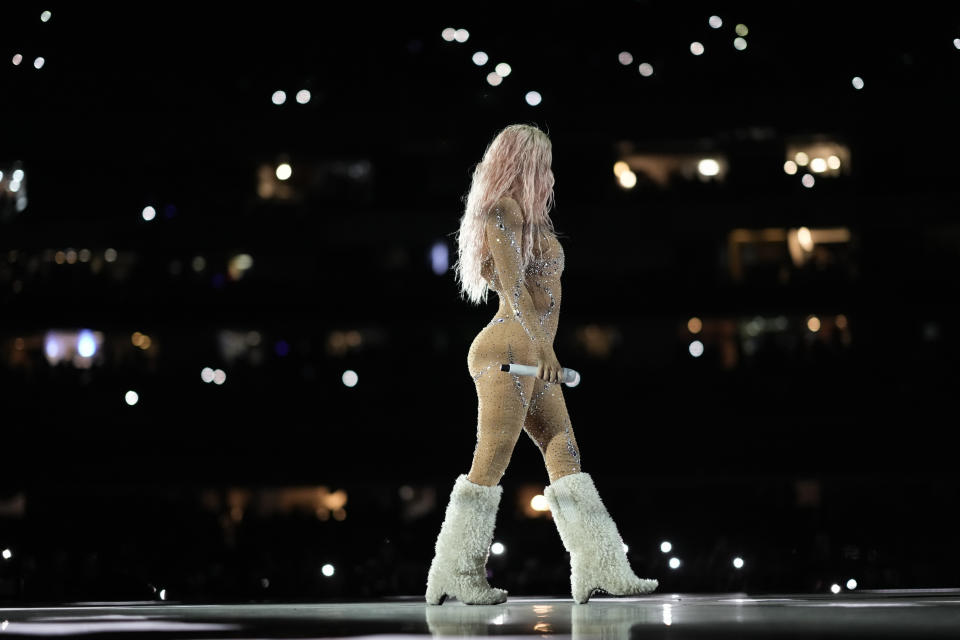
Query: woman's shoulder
column 507, row 211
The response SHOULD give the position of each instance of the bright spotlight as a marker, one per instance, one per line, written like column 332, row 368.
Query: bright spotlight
column 835, row 588
column 628, row 179
column 497, row 548
column 802, row 158
column 696, row 348
column 327, row 570
column 857, row 82
column 708, row 167
column 219, row 376
column 206, row 374
column 502, row 69
column 715, row 22
column 646, row 69
column 807, row 180
column 738, row 562
column 303, row 96
column 956, row 43
column 7, row 554
column 449, row 34
column 833, row 162
column 625, row 57
column 350, row 378
column 461, row 35
column 790, row 167
column 813, row 324
column 149, row 213
column 818, row 165
column 494, row 78
column 739, row 44
column 480, row 58
column 539, row 503
column 45, row 16
column 533, row 98
column 674, row 562
column 17, row 59
column 279, row 97
column 805, row 238
column 131, row 397
column 284, row 171
column 86, row 344
column 38, row 62
column 741, row 29
column 619, row 167
column 665, row 546
column 851, row 584
column 696, row 48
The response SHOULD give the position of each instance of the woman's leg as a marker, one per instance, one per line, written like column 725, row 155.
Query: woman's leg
column 502, row 400
column 548, row 425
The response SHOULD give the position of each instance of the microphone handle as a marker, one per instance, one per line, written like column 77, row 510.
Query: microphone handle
column 568, row 376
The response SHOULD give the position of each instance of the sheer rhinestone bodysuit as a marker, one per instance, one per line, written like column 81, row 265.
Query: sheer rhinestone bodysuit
column 529, row 311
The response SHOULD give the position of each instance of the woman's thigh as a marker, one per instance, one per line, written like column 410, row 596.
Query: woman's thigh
column 548, row 424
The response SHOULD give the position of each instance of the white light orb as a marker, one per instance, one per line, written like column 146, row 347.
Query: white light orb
column 461, row 35
column 833, row 162
column 665, row 546
column 645, row 69
column 818, row 165
column 625, row 57
column 497, row 548
column 674, row 562
column 279, row 97
column 219, row 376
column 350, row 378
column 480, row 58
column 303, row 96
column 696, row 348
column 628, row 179
column 857, row 82
column 503, row 69
column 533, row 98
column 284, row 171
column 38, row 62
column 807, row 180
column 206, row 374
column 696, row 48
column 327, row 570
column 835, row 588
column 149, row 213
column 494, row 78
column 739, row 44
column 17, row 59
column 448, row 34
column 851, row 584
column 131, row 397
column 715, row 22
column 708, row 167
column 86, row 344
column 738, row 562
column 790, row 167
column 45, row 16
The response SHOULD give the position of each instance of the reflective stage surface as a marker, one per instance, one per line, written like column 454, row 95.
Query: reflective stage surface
column 868, row 614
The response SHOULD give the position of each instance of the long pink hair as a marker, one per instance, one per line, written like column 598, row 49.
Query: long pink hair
column 516, row 163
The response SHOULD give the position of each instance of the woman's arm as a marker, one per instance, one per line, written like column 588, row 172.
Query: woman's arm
column 504, row 226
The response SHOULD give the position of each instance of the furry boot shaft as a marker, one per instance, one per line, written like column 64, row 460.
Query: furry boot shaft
column 589, row 534
column 463, row 546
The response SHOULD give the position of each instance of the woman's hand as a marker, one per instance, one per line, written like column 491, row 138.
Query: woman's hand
column 548, row 368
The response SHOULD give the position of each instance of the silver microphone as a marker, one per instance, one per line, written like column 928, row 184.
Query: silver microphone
column 568, row 377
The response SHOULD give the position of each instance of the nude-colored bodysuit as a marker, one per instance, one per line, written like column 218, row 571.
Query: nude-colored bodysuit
column 508, row 403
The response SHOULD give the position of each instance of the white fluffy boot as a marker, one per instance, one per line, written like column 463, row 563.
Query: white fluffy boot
column 463, row 546
column 597, row 558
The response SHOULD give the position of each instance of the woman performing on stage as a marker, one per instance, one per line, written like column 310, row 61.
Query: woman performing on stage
column 507, row 243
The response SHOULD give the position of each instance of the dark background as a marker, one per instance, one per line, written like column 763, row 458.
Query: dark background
column 815, row 456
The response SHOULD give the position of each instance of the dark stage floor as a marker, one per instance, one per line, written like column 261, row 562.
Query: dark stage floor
column 867, row 614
